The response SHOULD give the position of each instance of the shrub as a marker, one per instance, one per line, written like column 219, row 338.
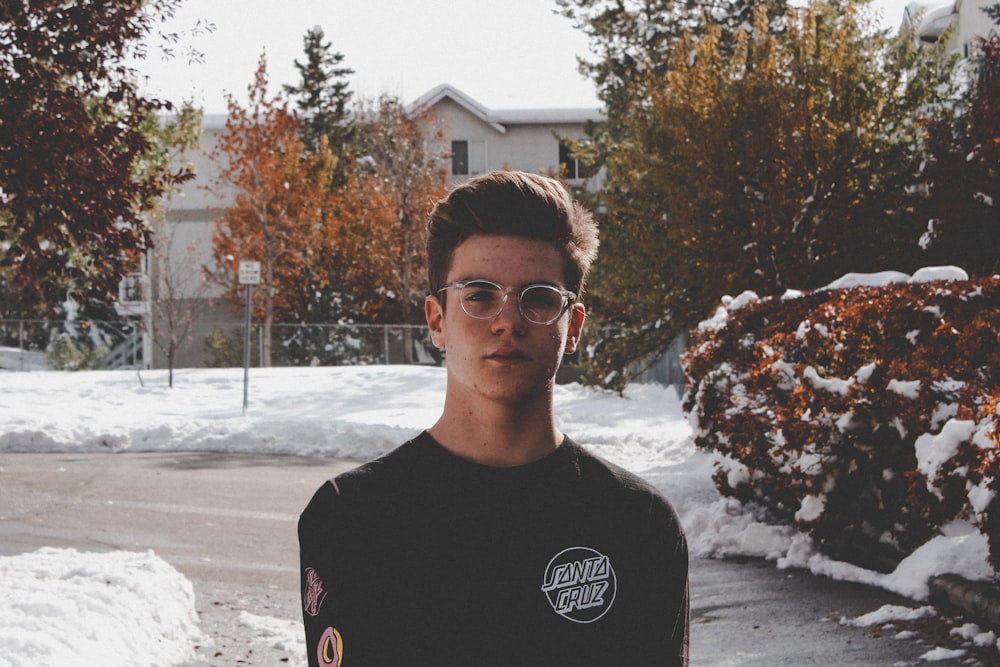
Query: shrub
column 67, row 354
column 869, row 411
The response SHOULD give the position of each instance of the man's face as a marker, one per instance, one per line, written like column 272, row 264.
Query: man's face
column 506, row 357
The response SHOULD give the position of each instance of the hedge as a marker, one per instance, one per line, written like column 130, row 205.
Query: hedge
column 864, row 411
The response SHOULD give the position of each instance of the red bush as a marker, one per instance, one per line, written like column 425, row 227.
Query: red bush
column 865, row 410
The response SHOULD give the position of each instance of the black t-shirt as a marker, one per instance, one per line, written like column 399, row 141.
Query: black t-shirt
column 424, row 558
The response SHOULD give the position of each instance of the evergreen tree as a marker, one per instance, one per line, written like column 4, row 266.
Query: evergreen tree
column 323, row 97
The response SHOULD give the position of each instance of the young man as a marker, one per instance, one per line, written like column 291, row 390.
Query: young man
column 492, row 538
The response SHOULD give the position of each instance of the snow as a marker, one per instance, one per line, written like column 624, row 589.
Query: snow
column 879, row 279
column 62, row 606
column 350, row 412
column 883, row 278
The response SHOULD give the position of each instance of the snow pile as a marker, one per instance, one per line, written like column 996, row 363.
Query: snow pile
column 65, row 607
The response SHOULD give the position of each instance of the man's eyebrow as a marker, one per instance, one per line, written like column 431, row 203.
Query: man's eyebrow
column 497, row 282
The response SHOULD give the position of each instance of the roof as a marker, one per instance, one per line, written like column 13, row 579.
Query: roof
column 931, row 17
column 499, row 119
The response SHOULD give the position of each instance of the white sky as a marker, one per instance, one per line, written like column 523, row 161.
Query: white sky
column 509, row 54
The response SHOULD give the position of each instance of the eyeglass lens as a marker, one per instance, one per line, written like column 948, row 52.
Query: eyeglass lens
column 540, row 304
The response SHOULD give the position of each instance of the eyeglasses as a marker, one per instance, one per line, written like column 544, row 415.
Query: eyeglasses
column 539, row 304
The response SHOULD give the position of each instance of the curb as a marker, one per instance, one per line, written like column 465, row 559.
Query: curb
column 977, row 599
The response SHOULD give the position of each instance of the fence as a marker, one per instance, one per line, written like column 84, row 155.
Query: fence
column 96, row 344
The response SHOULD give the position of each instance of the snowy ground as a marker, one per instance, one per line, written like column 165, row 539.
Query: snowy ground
column 122, row 603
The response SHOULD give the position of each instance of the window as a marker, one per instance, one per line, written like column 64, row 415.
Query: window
column 468, row 158
column 568, row 166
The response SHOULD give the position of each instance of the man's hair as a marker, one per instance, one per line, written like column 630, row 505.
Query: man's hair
column 512, row 203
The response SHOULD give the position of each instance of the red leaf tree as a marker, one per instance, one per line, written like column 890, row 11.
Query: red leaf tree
column 279, row 215
column 75, row 188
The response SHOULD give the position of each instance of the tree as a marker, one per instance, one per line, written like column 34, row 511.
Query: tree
column 323, row 99
column 632, row 37
column 179, row 281
column 403, row 156
column 282, row 191
column 75, row 188
column 181, row 287
column 766, row 161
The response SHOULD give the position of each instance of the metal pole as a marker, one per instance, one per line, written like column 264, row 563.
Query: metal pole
column 20, row 340
column 246, row 350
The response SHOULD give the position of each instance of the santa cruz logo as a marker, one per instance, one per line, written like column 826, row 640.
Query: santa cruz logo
column 580, row 584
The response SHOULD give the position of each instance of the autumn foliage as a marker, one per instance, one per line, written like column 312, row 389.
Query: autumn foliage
column 759, row 153
column 339, row 235
column 278, row 218
column 862, row 411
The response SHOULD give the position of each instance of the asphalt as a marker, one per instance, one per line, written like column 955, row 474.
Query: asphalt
column 227, row 522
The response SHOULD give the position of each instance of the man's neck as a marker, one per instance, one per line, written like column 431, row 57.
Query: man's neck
column 498, row 434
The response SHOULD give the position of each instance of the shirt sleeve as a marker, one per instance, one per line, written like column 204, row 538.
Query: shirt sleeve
column 676, row 614
column 317, row 537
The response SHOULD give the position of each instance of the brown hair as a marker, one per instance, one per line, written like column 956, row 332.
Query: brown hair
column 515, row 203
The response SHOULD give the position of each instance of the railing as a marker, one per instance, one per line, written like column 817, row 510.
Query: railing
column 130, row 353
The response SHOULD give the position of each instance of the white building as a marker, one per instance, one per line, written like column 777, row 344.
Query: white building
column 481, row 140
column 933, row 17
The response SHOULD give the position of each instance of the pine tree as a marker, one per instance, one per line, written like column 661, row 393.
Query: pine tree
column 323, row 97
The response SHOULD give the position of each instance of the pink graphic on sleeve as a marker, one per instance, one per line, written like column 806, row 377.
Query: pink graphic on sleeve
column 314, row 594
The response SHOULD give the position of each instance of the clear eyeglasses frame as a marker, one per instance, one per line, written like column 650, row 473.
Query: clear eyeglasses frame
column 538, row 303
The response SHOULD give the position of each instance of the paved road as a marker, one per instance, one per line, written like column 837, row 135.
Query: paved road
column 227, row 522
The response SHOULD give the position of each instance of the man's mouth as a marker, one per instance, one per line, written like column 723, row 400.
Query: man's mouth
column 508, row 355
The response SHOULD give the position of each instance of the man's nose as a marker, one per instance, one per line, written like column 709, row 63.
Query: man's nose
column 509, row 318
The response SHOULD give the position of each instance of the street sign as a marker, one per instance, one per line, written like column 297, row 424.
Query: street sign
column 249, row 273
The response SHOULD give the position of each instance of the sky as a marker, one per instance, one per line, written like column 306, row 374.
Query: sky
column 329, row 412
column 505, row 55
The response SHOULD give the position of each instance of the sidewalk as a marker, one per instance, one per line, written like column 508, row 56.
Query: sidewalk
column 227, row 522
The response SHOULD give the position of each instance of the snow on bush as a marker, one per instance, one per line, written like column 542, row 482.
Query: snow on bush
column 866, row 409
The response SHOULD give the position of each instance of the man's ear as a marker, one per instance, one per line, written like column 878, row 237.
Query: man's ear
column 577, row 315
column 434, row 314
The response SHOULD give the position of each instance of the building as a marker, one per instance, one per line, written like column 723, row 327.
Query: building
column 481, row 140
column 932, row 17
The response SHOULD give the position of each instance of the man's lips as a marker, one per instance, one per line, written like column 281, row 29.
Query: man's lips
column 508, row 355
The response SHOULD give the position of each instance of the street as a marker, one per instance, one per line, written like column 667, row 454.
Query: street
column 228, row 523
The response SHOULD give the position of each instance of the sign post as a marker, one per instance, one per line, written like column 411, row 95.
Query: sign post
column 249, row 276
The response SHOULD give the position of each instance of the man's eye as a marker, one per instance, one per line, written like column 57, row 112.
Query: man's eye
column 541, row 297
column 480, row 294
